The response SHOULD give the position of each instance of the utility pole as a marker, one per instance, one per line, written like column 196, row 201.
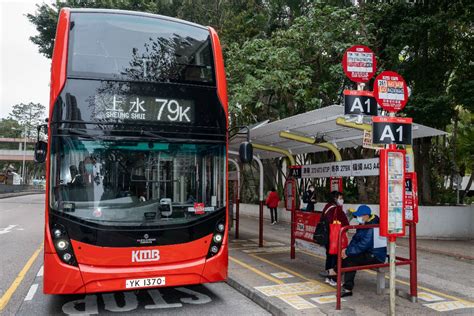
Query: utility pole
column 24, row 158
column 23, row 171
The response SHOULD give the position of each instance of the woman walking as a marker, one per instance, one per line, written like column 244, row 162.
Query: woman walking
column 272, row 203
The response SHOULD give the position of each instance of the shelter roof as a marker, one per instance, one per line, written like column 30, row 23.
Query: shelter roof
column 315, row 123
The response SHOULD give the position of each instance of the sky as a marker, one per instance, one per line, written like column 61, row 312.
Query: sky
column 24, row 72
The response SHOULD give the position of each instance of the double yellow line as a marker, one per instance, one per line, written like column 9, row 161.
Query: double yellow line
column 19, row 278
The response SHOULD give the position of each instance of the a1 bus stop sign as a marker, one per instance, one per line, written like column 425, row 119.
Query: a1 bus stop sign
column 359, row 63
column 391, row 130
column 390, row 91
column 359, row 103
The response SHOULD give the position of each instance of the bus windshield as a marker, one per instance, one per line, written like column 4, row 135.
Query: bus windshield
column 138, row 48
column 136, row 182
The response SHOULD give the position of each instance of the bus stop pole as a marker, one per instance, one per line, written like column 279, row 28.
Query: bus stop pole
column 392, row 274
column 260, row 217
column 413, row 266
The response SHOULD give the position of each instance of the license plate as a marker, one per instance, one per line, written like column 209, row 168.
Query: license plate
column 148, row 282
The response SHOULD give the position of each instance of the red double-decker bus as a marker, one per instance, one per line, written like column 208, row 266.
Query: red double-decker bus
column 136, row 155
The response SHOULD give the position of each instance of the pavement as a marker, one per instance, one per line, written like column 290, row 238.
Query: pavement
column 21, row 279
column 283, row 286
column 15, row 194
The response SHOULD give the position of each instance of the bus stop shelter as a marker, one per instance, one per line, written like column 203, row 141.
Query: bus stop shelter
column 324, row 129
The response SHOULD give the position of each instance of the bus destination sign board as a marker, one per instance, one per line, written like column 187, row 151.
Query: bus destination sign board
column 143, row 108
column 390, row 91
column 359, row 103
column 359, row 63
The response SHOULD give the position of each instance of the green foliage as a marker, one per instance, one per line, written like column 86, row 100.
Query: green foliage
column 28, row 117
column 9, row 128
column 296, row 70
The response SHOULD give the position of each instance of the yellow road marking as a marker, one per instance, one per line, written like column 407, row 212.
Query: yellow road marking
column 404, row 282
column 327, row 287
column 263, row 274
column 11, row 290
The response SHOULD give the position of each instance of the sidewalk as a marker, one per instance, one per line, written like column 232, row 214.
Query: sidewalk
column 462, row 249
column 15, row 194
column 292, row 287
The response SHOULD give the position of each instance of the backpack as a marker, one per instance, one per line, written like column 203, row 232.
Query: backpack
column 321, row 233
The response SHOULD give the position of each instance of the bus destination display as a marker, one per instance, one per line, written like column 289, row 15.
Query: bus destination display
column 141, row 108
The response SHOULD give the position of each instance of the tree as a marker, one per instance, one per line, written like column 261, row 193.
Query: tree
column 9, row 128
column 296, row 70
column 28, row 116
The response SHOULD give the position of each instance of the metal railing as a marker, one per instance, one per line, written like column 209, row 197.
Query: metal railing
column 412, row 261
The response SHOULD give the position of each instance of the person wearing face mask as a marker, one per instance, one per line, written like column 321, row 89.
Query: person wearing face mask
column 309, row 198
column 362, row 249
column 333, row 212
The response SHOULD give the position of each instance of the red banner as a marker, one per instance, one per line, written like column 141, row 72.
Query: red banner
column 306, row 224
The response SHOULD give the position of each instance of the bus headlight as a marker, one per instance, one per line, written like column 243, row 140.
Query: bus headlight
column 57, row 233
column 62, row 244
column 67, row 256
column 220, row 227
column 218, row 238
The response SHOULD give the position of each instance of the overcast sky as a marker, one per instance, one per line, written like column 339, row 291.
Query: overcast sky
column 24, row 72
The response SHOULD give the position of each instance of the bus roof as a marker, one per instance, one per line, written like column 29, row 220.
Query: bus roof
column 136, row 13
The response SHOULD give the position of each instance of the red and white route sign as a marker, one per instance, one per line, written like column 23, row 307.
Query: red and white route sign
column 390, row 91
column 359, row 63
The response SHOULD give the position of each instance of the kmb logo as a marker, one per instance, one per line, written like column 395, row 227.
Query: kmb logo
column 145, row 255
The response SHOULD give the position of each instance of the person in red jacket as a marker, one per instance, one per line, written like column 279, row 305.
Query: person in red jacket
column 272, row 203
column 333, row 212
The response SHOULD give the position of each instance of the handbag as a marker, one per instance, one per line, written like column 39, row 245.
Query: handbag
column 321, row 233
column 334, row 229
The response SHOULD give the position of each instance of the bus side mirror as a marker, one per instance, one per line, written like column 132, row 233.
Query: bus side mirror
column 41, row 149
column 246, row 152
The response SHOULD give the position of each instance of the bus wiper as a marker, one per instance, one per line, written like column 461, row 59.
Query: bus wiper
column 77, row 132
column 151, row 134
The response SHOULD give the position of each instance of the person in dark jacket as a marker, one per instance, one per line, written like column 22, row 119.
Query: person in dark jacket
column 309, row 198
column 272, row 203
column 333, row 211
column 362, row 250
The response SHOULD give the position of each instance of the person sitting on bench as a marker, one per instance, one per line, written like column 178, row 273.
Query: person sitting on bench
column 362, row 250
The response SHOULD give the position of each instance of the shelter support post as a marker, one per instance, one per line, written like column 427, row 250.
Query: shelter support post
column 260, row 165
column 260, row 215
column 260, row 224
column 292, row 163
column 237, row 198
column 292, row 238
column 276, row 150
column 312, row 141
column 343, row 122
column 237, row 206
